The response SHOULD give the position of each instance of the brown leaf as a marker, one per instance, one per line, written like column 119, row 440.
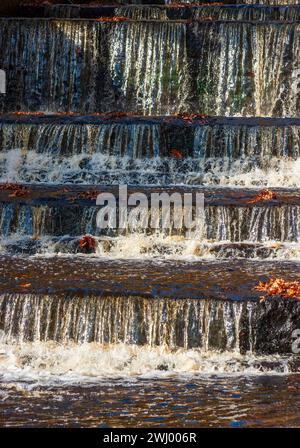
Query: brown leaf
column 280, row 287
column 176, row 153
column 264, row 195
column 25, row 285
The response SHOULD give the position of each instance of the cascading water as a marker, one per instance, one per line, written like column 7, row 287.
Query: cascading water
column 48, row 327
column 141, row 153
column 153, row 72
column 62, row 11
column 259, row 232
column 137, row 13
column 123, row 320
column 245, row 13
column 152, row 68
column 221, row 223
column 196, row 98
column 243, row 73
column 132, row 140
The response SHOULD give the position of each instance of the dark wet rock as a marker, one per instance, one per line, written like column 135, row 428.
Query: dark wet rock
column 275, row 321
column 243, row 250
column 163, row 367
column 158, row 10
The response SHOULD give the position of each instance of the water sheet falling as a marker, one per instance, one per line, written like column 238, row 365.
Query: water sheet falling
column 202, row 324
column 142, row 153
column 152, row 68
column 245, row 68
column 149, row 64
column 221, row 223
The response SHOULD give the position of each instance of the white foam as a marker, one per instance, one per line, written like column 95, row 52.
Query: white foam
column 50, row 362
column 18, row 165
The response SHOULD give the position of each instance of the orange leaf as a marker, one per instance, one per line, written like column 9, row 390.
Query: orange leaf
column 264, row 195
column 174, row 152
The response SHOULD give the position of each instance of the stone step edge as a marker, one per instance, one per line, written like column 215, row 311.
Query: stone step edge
column 110, row 9
column 184, row 119
column 232, row 280
column 85, row 195
column 112, row 20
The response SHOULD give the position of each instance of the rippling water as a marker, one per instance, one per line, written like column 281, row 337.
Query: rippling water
column 187, row 402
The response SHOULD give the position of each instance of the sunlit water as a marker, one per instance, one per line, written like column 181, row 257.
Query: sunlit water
column 141, row 332
column 187, row 402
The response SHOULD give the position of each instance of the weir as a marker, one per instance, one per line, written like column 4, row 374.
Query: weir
column 200, row 324
column 152, row 68
column 153, row 151
column 221, row 223
column 196, row 98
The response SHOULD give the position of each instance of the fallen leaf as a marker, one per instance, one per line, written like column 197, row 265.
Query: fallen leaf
column 280, row 287
column 87, row 243
column 176, row 153
column 264, row 195
column 112, row 19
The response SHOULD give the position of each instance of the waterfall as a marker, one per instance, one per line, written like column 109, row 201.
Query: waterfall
column 62, row 11
column 148, row 66
column 246, row 13
column 169, row 98
column 138, row 140
column 171, row 323
column 199, row 324
column 244, row 72
column 138, row 13
column 152, row 68
column 141, row 153
column 222, row 223
column 132, row 140
column 237, row 142
column 80, row 51
column 67, row 56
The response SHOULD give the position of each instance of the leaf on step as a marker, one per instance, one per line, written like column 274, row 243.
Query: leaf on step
column 35, row 114
column 25, row 285
column 87, row 195
column 189, row 118
column 264, row 195
column 87, row 243
column 16, row 190
column 280, row 287
column 112, row 19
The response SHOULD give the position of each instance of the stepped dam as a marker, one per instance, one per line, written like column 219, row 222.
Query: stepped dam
column 142, row 325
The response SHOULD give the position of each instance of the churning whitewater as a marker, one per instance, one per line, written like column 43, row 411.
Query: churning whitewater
column 47, row 364
column 143, row 154
column 47, row 340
